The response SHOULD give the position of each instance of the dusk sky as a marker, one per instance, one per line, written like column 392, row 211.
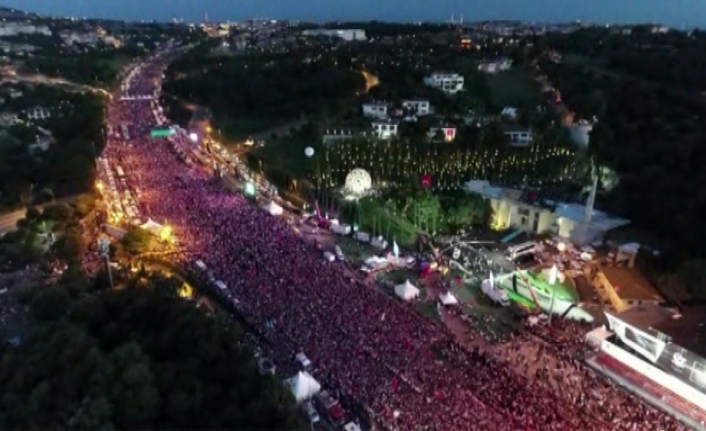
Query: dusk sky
column 675, row 13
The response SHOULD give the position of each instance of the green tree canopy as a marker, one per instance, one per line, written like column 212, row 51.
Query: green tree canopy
column 134, row 359
column 136, row 240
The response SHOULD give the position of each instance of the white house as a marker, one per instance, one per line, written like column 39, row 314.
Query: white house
column 448, row 130
column 385, row 129
column 419, row 107
column 518, row 136
column 495, row 66
column 509, row 112
column 449, row 83
column 375, row 109
column 530, row 212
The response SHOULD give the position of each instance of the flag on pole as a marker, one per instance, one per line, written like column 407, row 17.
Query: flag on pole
column 395, row 249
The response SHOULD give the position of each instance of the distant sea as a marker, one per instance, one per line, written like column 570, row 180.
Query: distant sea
column 674, row 13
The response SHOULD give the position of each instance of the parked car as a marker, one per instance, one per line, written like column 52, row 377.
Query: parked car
column 311, row 412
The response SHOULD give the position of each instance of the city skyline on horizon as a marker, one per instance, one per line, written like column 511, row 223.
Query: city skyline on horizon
column 690, row 14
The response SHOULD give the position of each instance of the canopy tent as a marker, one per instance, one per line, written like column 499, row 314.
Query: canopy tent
column 447, row 298
column 303, row 386
column 273, row 208
column 152, row 227
column 407, row 291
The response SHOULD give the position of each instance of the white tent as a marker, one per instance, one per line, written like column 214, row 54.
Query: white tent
column 273, row 208
column 447, row 298
column 406, row 291
column 303, row 386
column 152, row 227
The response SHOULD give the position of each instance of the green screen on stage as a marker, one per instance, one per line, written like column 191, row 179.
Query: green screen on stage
column 161, row 132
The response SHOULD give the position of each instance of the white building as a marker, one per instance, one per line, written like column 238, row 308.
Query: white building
column 375, row 110
column 38, row 113
column 495, row 66
column 518, row 136
column 419, row 107
column 447, row 130
column 348, row 35
column 580, row 224
column 449, row 83
column 18, row 28
column 509, row 112
column 385, row 129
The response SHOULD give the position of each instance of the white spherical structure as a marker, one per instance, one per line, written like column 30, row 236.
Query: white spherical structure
column 358, row 182
column 308, row 151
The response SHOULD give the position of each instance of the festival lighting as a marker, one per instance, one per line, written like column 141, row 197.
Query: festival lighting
column 194, row 137
column 165, row 234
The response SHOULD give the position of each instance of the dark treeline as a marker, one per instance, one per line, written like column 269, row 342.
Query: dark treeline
column 650, row 131
column 138, row 358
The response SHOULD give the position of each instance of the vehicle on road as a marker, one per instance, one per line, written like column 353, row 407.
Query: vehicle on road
column 311, row 412
column 304, row 362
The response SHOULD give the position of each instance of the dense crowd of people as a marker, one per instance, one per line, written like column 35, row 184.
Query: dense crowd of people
column 364, row 344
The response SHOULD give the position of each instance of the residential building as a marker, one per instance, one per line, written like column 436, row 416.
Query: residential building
column 19, row 28
column 38, row 113
column 418, row 107
column 348, row 35
column 385, row 129
column 509, row 112
column 495, row 66
column 447, row 130
column 536, row 212
column 449, row 83
column 375, row 109
column 41, row 144
column 518, row 136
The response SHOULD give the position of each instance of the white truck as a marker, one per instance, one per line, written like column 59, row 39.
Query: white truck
column 341, row 229
column 362, row 236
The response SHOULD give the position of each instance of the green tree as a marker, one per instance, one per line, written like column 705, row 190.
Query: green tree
column 71, row 246
column 136, row 240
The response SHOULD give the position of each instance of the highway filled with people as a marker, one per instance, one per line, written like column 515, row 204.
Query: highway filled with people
column 363, row 345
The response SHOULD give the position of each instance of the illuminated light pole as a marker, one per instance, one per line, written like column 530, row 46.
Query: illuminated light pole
column 553, row 275
column 104, row 252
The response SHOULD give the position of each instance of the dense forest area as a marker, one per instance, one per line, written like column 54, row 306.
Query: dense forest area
column 250, row 94
column 651, row 129
column 136, row 358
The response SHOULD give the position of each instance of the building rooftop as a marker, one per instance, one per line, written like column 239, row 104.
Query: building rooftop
column 629, row 283
column 599, row 219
